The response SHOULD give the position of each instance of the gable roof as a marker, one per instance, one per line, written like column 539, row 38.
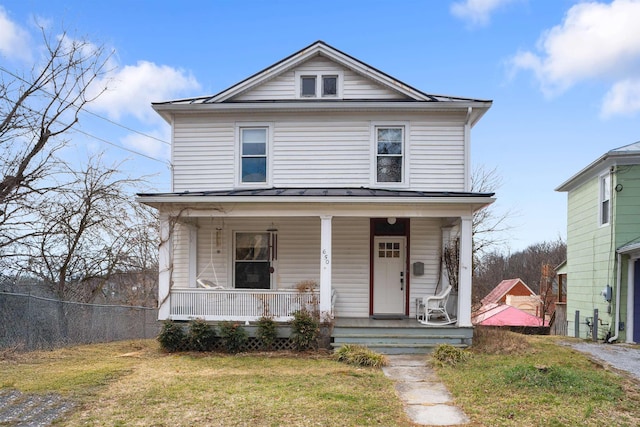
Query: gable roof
column 506, row 315
column 626, row 155
column 321, row 48
column 502, row 289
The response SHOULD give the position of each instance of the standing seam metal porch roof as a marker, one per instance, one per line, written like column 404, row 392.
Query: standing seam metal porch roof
column 320, row 192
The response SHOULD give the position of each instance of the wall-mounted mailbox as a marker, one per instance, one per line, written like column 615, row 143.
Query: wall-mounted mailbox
column 418, row 268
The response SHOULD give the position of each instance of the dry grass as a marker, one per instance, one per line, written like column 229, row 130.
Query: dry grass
column 135, row 384
column 518, row 380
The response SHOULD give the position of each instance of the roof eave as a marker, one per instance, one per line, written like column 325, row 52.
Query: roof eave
column 199, row 199
column 608, row 159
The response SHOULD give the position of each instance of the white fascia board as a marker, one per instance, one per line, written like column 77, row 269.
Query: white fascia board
column 319, row 106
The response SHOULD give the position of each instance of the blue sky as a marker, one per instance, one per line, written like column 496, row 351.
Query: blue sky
column 564, row 75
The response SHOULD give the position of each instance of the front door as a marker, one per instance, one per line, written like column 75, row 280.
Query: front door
column 389, row 283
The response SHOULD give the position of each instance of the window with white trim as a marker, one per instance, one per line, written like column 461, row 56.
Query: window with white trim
column 389, row 145
column 251, row 260
column 253, row 154
column 605, row 199
column 318, row 84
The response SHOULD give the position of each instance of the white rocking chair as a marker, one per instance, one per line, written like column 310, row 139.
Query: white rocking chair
column 435, row 306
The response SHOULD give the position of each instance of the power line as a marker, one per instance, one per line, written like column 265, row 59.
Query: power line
column 86, row 110
column 113, row 144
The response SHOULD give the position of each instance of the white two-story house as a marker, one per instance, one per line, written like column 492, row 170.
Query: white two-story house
column 322, row 169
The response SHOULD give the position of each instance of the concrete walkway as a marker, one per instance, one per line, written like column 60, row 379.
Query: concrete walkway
column 426, row 400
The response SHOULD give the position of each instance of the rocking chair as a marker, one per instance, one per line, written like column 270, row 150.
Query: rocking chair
column 434, row 306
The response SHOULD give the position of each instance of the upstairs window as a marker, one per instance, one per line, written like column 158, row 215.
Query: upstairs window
column 389, row 143
column 605, row 197
column 318, row 85
column 253, row 153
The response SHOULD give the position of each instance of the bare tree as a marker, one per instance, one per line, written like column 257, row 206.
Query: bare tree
column 36, row 111
column 88, row 229
column 488, row 226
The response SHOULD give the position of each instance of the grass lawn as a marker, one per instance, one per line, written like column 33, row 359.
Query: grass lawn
column 134, row 383
column 510, row 380
column 516, row 380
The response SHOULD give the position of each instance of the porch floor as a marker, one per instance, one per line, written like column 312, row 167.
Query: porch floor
column 370, row 322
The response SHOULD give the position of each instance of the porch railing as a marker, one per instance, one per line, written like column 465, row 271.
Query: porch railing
column 239, row 304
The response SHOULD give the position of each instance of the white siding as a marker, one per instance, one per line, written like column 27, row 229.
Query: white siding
column 350, row 267
column 437, row 156
column 321, row 154
column 426, row 237
column 180, row 261
column 283, row 86
column 311, row 150
column 203, row 153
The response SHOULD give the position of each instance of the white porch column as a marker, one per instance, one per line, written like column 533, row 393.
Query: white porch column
column 325, row 265
column 165, row 267
column 465, row 274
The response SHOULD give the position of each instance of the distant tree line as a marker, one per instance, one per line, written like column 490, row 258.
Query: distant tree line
column 534, row 265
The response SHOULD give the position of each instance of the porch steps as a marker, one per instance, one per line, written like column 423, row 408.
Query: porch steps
column 398, row 337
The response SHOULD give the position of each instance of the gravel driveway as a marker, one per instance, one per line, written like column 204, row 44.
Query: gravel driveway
column 623, row 357
column 31, row 410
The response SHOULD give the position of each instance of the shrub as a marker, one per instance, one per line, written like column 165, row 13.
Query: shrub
column 234, row 336
column 305, row 330
column 172, row 337
column 359, row 355
column 202, row 336
column 267, row 332
column 490, row 340
column 448, row 355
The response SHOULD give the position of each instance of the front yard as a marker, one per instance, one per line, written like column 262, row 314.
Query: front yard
column 134, row 383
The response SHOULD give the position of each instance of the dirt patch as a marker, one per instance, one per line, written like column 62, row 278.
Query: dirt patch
column 32, row 410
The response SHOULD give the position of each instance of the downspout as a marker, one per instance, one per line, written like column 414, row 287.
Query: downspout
column 467, row 150
column 619, row 266
column 618, row 286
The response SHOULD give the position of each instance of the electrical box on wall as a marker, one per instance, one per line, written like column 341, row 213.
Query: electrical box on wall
column 606, row 293
column 418, row 268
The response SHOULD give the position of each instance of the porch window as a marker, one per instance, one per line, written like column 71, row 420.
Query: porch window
column 605, row 196
column 251, row 260
column 253, row 143
column 389, row 154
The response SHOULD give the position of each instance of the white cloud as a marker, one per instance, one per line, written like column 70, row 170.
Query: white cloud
column 622, row 99
column 477, row 12
column 14, row 40
column 132, row 88
column 596, row 41
column 150, row 146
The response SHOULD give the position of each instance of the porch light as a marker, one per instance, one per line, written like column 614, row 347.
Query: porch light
column 391, row 220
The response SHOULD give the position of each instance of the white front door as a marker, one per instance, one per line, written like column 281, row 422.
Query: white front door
column 389, row 283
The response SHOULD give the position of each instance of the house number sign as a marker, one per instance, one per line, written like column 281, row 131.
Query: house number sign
column 325, row 256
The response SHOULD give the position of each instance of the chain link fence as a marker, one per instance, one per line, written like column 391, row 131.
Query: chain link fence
column 29, row 322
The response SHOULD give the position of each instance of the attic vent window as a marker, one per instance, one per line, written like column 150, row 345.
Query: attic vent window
column 329, row 85
column 319, row 85
column 308, row 86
